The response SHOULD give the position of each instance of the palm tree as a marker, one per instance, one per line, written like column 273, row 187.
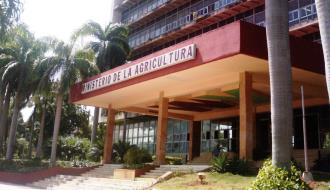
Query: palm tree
column 111, row 49
column 323, row 12
column 27, row 51
column 277, row 30
column 9, row 13
column 65, row 69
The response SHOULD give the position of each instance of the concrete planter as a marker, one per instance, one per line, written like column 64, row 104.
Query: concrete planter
column 131, row 174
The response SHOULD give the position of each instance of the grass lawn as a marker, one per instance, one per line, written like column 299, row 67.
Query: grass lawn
column 214, row 181
column 225, row 181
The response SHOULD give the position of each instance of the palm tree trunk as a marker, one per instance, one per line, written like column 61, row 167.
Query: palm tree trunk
column 13, row 127
column 323, row 12
column 280, row 80
column 59, row 102
column 31, row 136
column 4, row 119
column 41, row 132
column 95, row 124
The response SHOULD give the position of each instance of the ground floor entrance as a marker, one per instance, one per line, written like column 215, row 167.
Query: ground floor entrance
column 140, row 130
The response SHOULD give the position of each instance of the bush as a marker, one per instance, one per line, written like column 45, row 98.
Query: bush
column 94, row 154
column 239, row 166
column 270, row 177
column 172, row 160
column 22, row 165
column 74, row 148
column 222, row 164
column 119, row 150
column 136, row 157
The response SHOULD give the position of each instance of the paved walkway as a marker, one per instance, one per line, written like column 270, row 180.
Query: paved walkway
column 7, row 186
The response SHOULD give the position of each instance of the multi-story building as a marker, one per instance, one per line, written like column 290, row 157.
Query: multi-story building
column 198, row 76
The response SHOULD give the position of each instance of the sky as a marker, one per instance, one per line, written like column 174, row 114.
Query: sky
column 59, row 18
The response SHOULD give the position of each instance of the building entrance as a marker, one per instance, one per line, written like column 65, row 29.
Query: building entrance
column 224, row 132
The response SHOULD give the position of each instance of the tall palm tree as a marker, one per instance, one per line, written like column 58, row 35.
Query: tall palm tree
column 111, row 48
column 27, row 51
column 277, row 30
column 323, row 12
column 9, row 13
column 65, row 69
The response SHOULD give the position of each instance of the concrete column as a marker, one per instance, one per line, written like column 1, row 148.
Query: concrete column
column 107, row 153
column 161, row 135
column 247, row 114
column 194, row 139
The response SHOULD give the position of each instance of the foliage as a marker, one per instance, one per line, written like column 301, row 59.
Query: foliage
column 9, row 14
column 94, row 154
column 172, row 160
column 22, row 165
column 136, row 157
column 222, row 164
column 110, row 44
column 239, row 166
column 22, row 147
column 326, row 144
column 271, row 177
column 74, row 148
column 119, row 150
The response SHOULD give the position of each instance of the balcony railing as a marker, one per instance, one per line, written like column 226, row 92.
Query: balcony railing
column 135, row 13
column 178, row 19
column 302, row 14
column 191, row 14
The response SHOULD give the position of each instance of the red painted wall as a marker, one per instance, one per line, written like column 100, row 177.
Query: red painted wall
column 235, row 38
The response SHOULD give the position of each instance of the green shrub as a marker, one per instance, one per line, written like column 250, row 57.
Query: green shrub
column 136, row 157
column 270, row 177
column 119, row 150
column 94, row 154
column 239, row 166
column 22, row 165
column 220, row 163
column 22, row 147
column 173, row 160
column 74, row 148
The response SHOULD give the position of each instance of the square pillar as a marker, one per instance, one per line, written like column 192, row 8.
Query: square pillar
column 247, row 114
column 194, row 139
column 161, row 134
column 107, row 153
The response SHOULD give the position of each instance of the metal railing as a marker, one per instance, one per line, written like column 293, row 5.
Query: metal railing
column 178, row 19
column 192, row 13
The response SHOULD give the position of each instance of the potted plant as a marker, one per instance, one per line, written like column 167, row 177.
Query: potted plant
column 135, row 165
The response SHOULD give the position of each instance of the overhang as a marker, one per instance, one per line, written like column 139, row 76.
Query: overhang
column 220, row 56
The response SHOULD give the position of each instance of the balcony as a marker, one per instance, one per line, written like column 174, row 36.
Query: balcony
column 190, row 19
column 302, row 21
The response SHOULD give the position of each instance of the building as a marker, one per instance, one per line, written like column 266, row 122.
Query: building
column 199, row 76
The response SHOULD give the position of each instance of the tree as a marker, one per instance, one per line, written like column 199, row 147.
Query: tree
column 323, row 12
column 9, row 13
column 65, row 69
column 20, row 70
column 111, row 50
column 277, row 30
